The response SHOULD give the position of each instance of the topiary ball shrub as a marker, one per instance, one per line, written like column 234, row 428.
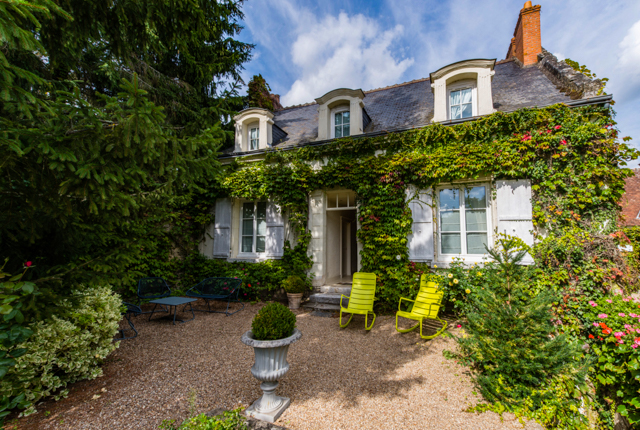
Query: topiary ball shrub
column 272, row 322
column 294, row 285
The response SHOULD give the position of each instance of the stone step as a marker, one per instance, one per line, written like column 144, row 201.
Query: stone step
column 328, row 298
column 321, row 306
column 334, row 289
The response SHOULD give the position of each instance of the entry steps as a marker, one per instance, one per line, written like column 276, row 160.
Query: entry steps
column 327, row 297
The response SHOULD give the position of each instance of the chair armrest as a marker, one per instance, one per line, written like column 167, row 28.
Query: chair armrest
column 341, row 296
column 400, row 303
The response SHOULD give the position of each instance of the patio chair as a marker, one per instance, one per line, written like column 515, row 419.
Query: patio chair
column 153, row 288
column 222, row 289
column 130, row 310
column 363, row 292
column 425, row 307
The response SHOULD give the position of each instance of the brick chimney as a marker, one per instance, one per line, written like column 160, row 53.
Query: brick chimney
column 275, row 99
column 526, row 43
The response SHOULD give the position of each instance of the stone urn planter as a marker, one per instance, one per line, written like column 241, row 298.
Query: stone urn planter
column 270, row 365
column 294, row 300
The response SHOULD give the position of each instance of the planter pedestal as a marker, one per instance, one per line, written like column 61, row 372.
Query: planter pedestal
column 270, row 365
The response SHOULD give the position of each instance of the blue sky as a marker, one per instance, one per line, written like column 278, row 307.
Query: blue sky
column 306, row 48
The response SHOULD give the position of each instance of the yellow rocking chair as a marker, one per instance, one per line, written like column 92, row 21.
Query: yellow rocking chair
column 425, row 306
column 363, row 292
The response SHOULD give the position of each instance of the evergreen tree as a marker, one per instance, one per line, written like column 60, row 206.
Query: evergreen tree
column 110, row 115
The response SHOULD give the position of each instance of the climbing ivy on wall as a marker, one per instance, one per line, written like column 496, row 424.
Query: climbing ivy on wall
column 573, row 158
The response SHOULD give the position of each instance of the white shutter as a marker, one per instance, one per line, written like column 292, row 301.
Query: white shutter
column 222, row 229
column 275, row 232
column 420, row 241
column 515, row 213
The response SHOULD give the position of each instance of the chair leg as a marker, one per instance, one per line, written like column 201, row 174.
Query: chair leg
column 345, row 324
column 406, row 330
column 438, row 333
column 365, row 320
column 237, row 301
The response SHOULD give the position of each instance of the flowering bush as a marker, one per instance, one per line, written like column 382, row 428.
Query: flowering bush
column 460, row 283
column 614, row 335
column 65, row 348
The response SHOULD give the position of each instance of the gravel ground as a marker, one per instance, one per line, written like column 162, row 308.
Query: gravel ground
column 339, row 379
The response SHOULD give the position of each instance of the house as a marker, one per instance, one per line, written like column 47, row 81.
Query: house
column 630, row 202
column 454, row 219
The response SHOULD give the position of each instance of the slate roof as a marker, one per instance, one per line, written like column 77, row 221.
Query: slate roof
column 411, row 104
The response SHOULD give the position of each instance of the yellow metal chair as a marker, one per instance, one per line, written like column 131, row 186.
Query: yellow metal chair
column 363, row 292
column 425, row 306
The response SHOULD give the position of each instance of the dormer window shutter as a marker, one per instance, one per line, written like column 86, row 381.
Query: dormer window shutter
column 515, row 212
column 222, row 229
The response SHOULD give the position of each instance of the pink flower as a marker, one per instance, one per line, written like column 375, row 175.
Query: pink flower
column 602, row 315
column 592, row 303
column 28, row 263
column 626, row 299
column 558, row 127
column 595, row 324
column 633, row 315
column 638, row 330
column 620, row 341
column 621, row 314
column 618, row 334
column 634, row 346
column 637, row 341
column 458, row 326
column 627, row 326
column 610, row 301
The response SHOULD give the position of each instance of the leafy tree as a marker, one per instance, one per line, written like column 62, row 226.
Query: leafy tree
column 258, row 94
column 111, row 115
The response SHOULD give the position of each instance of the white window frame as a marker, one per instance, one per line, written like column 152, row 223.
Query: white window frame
column 333, row 120
column 463, row 230
column 638, row 216
column 253, row 252
column 463, row 85
column 257, row 139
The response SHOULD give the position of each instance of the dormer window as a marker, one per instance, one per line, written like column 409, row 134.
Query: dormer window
column 342, row 122
column 254, row 138
column 462, row 90
column 341, row 114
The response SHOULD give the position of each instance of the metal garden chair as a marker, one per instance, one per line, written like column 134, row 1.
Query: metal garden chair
column 130, row 310
column 363, row 291
column 223, row 289
column 153, row 288
column 425, row 307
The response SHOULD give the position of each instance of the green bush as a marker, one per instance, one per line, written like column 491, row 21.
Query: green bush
column 230, row 420
column 66, row 348
column 272, row 322
column 294, row 285
column 613, row 332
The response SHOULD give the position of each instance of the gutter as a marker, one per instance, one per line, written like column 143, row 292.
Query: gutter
column 598, row 100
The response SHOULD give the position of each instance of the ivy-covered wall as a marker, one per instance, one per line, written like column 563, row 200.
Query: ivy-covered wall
column 572, row 156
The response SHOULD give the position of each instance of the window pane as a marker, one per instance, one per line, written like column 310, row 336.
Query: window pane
column 260, row 247
column 450, row 220
column 466, row 111
column 345, row 117
column 476, row 243
column 247, row 227
column 338, row 119
column 247, row 243
column 262, row 227
column 345, row 131
column 451, row 243
column 455, row 98
column 456, row 112
column 255, row 133
column 262, row 209
column 247, row 210
column 476, row 220
column 339, row 131
column 475, row 198
column 465, row 96
column 450, row 198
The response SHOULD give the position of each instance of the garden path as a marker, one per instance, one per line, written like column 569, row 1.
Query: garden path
column 339, row 379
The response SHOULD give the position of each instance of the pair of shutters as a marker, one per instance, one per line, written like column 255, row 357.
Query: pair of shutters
column 274, row 244
column 513, row 203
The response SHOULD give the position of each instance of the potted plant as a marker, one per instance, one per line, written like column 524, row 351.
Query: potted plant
column 295, row 288
column 272, row 331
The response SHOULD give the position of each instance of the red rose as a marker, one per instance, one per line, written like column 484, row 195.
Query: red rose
column 563, row 142
column 591, row 336
column 28, row 263
column 249, row 285
column 558, row 127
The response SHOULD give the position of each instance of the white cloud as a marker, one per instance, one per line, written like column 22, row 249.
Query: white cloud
column 344, row 51
column 629, row 59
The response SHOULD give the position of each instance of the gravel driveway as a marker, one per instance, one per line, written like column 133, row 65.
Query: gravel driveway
column 339, row 379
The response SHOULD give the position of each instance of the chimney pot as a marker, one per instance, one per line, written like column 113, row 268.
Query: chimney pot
column 527, row 4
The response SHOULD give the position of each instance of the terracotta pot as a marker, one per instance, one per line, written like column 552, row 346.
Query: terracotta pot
column 294, row 300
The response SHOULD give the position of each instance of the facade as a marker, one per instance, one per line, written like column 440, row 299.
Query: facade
column 450, row 220
column 630, row 202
